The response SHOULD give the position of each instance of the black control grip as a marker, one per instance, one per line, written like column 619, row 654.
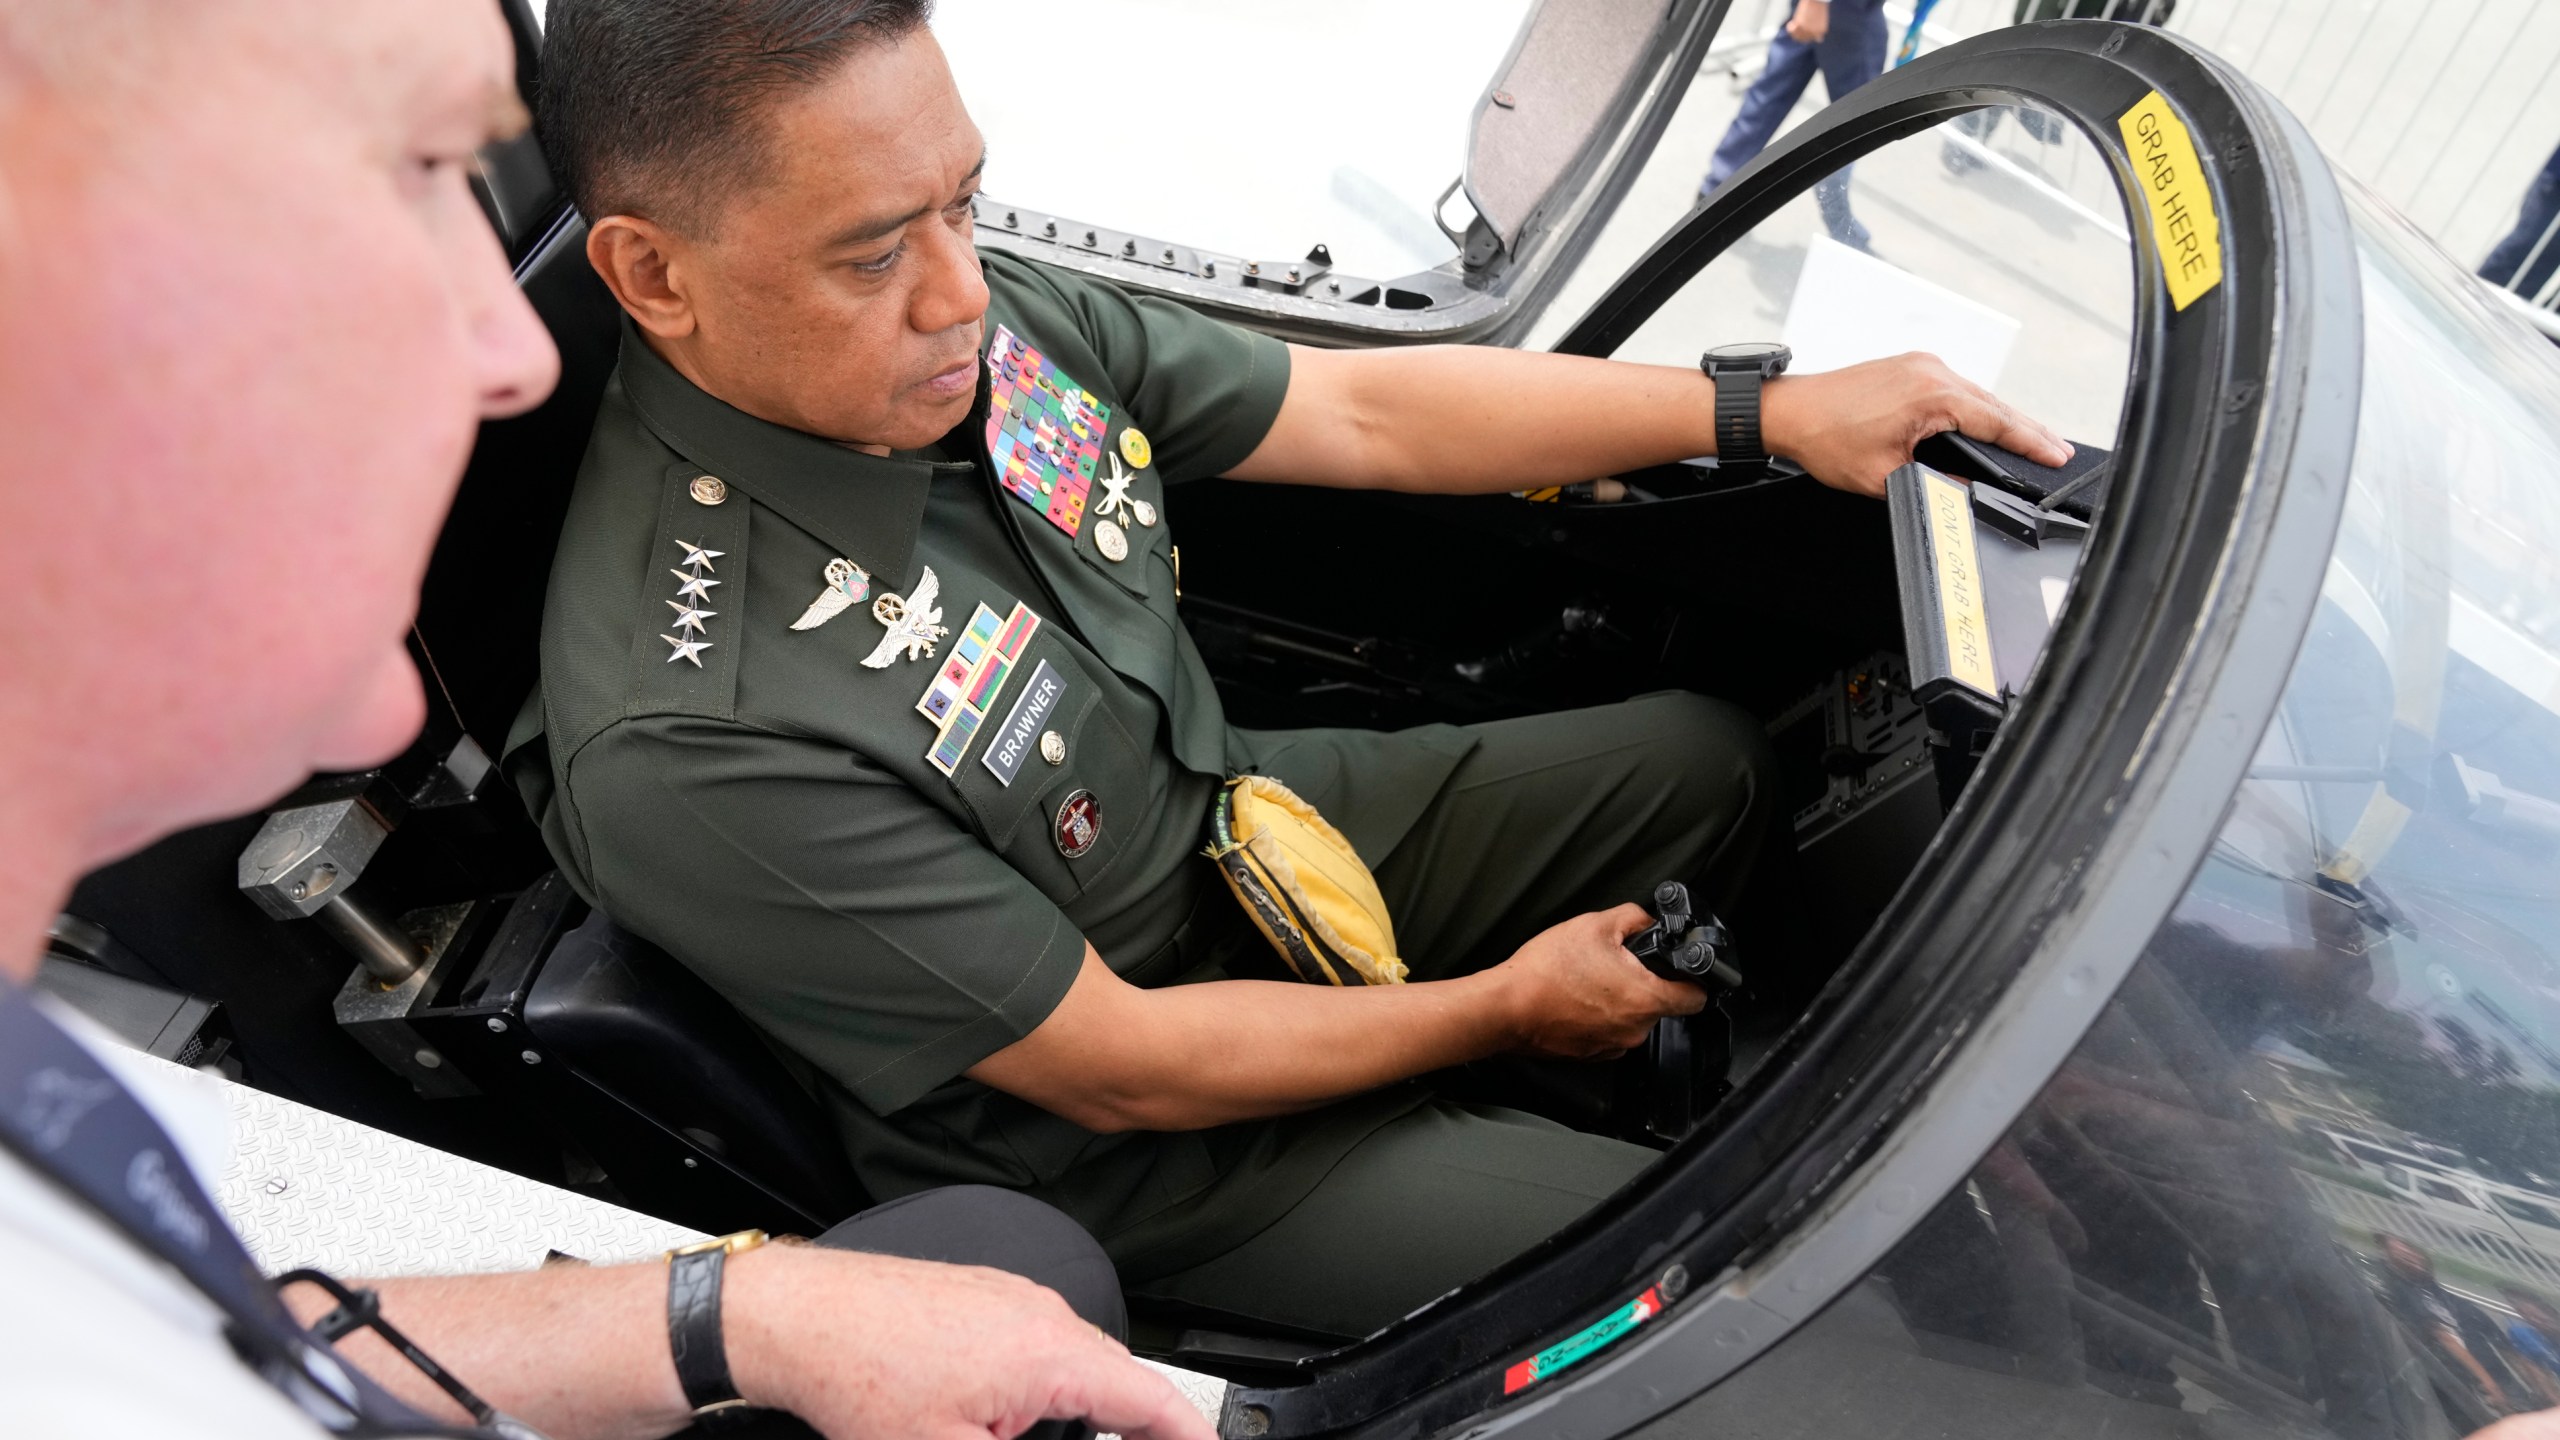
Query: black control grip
column 1683, row 945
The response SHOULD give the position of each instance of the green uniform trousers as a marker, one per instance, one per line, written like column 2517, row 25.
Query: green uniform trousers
column 1547, row 817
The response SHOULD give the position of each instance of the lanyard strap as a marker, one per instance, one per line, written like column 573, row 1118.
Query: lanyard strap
column 68, row 1119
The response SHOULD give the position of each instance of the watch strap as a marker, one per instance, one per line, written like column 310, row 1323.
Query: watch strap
column 1738, row 418
column 694, row 1337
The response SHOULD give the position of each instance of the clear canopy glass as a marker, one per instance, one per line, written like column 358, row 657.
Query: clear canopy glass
column 2302, row 1177
column 1995, row 241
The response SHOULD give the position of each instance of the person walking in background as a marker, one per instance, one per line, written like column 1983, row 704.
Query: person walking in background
column 2523, row 262
column 1845, row 40
column 2534, row 1334
column 2411, row 1292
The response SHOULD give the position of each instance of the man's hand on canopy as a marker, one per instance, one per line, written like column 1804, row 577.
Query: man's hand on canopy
column 874, row 1347
column 1850, row 428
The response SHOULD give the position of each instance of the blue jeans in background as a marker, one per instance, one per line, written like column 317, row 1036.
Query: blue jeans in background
column 1850, row 55
column 2523, row 262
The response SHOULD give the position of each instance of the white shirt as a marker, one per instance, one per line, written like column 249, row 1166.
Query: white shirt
column 99, row 1339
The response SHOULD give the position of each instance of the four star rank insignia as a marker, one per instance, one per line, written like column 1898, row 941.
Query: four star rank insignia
column 692, row 637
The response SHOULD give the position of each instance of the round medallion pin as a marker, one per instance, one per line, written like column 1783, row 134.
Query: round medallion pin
column 1134, row 447
column 1111, row 540
column 1079, row 824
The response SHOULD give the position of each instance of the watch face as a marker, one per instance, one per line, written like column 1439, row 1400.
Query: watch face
column 1767, row 358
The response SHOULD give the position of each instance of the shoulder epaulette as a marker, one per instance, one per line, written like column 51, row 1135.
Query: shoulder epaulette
column 684, row 653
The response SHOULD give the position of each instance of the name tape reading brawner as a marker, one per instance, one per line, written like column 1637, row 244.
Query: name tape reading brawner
column 1038, row 703
column 2173, row 184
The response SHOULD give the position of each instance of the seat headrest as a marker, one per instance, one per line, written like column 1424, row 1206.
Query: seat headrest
column 480, row 615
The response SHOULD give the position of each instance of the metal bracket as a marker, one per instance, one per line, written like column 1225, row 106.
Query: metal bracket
column 302, row 862
column 377, row 1015
column 1290, row 277
column 1440, row 218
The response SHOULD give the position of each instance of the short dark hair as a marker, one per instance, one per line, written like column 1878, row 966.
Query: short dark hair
column 654, row 107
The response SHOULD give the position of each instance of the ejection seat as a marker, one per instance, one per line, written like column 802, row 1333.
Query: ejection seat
column 644, row 1069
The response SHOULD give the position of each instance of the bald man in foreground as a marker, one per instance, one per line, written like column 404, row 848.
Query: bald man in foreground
column 250, row 319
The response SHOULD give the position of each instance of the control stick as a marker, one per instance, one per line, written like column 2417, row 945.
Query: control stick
column 1684, row 945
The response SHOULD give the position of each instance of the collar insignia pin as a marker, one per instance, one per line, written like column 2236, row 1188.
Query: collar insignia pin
column 914, row 623
column 846, row 583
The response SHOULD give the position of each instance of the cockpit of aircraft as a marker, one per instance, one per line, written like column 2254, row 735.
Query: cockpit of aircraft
column 1954, row 680
column 1879, row 643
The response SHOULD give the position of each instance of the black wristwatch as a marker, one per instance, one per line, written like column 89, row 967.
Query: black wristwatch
column 1738, row 372
column 693, row 1328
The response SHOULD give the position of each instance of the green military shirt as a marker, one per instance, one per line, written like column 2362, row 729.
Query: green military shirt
column 757, row 800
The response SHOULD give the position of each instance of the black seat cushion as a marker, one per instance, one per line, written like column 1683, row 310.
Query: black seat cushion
column 633, row 1020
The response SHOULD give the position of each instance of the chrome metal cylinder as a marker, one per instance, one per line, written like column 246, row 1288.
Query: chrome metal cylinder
column 386, row 954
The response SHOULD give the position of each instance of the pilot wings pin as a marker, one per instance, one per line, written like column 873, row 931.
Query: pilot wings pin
column 847, row 583
column 914, row 622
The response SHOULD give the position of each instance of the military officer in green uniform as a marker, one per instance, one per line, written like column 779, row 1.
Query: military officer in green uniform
column 865, row 692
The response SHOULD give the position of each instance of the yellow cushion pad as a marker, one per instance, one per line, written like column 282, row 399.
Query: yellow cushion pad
column 1303, row 885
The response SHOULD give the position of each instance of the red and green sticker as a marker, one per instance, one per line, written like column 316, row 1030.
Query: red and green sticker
column 1608, row 1330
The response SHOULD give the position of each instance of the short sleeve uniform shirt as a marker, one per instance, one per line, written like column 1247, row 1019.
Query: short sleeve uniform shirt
column 889, row 901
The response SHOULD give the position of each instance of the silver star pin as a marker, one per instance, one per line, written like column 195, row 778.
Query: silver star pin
column 690, row 618
column 695, row 555
column 686, row 650
column 695, row 587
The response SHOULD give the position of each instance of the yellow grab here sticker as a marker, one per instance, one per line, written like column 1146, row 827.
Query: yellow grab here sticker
column 2173, row 185
column 1959, row 583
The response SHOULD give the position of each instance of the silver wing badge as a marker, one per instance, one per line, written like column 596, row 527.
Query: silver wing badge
column 847, row 583
column 914, row 622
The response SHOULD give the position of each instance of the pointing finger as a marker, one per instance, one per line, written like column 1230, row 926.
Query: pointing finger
column 1125, row 1398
